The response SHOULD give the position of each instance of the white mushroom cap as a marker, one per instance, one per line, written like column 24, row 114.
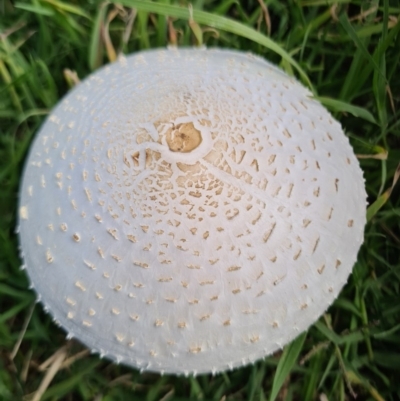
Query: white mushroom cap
column 188, row 211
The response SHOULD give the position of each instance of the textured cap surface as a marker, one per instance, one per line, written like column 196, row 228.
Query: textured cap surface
column 190, row 210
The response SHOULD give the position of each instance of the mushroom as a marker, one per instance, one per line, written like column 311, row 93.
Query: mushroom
column 189, row 211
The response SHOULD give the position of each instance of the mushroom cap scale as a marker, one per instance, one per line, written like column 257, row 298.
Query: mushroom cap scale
column 188, row 211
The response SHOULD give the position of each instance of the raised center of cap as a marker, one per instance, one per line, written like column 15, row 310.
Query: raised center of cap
column 183, row 138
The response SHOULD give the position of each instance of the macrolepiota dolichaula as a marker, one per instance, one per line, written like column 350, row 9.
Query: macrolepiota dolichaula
column 190, row 210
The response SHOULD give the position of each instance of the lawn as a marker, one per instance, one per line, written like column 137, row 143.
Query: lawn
column 347, row 53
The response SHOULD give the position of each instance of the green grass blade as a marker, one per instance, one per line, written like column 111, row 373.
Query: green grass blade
column 379, row 89
column 10, row 313
column 69, row 8
column 328, row 333
column 36, row 9
column 286, row 363
column 338, row 105
column 344, row 20
column 95, row 50
column 382, row 199
column 374, row 208
column 306, row 3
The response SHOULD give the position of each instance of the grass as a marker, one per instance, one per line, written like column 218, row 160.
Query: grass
column 347, row 52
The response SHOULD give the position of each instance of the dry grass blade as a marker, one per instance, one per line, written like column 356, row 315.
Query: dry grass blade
column 25, row 366
column 49, row 361
column 22, row 333
column 51, row 372
column 382, row 199
column 71, row 77
column 111, row 53
column 267, row 17
column 168, row 395
column 79, row 355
